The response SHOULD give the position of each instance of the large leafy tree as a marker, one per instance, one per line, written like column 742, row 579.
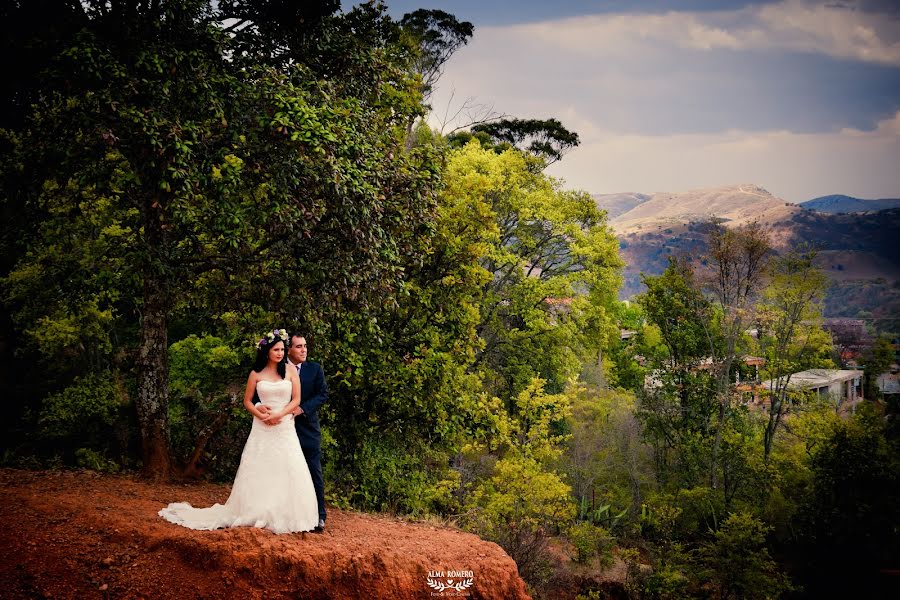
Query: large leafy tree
column 678, row 404
column 790, row 335
column 400, row 368
column 738, row 264
column 166, row 170
column 554, row 270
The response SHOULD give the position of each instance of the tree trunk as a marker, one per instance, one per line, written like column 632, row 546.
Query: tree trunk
column 192, row 470
column 724, row 398
column 153, row 381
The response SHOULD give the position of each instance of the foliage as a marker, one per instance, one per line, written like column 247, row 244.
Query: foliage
column 877, row 360
column 554, row 267
column 207, row 419
column 738, row 562
column 606, row 461
column 663, row 580
column 517, row 507
column 677, row 417
column 546, row 139
column 89, row 415
column 439, row 35
column 521, row 498
column 391, row 477
column 523, row 491
column 847, row 524
column 790, row 335
column 625, row 357
column 93, row 460
column 399, row 371
column 679, row 401
column 85, row 409
column 683, row 316
column 168, row 172
column 522, row 494
column 738, row 261
column 589, row 541
column 202, row 365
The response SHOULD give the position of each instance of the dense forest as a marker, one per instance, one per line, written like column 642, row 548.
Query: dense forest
column 180, row 175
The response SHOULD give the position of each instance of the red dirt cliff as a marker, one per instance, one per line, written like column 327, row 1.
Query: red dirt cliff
column 72, row 534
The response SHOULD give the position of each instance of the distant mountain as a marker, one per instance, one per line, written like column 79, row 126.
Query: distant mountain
column 839, row 204
column 736, row 205
column 858, row 251
column 617, row 204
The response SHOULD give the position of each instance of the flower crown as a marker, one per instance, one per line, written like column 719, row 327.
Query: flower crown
column 269, row 337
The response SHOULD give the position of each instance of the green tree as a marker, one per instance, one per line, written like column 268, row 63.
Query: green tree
column 847, row 525
column 438, row 35
column 605, row 459
column 401, row 369
column 877, row 361
column 524, row 497
column 546, row 139
column 204, row 387
column 738, row 260
column 790, row 334
column 164, row 171
column 554, row 269
column 740, row 564
column 678, row 404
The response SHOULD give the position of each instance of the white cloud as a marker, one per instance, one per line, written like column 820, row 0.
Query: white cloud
column 791, row 25
column 793, row 166
column 674, row 101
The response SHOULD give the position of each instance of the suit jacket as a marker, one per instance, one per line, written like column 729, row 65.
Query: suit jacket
column 313, row 394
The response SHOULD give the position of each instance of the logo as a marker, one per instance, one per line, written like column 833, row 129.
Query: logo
column 450, row 583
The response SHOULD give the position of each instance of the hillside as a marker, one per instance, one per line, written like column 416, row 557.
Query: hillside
column 858, row 251
column 82, row 535
column 838, row 203
column 736, row 205
column 617, row 204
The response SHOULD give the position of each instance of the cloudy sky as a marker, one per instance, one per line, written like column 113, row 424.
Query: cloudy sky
column 799, row 97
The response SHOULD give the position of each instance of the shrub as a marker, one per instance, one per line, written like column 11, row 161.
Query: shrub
column 589, row 541
column 739, row 563
column 83, row 410
column 388, row 474
column 90, row 459
column 91, row 415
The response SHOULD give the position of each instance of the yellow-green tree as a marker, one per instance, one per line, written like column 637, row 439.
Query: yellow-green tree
column 554, row 269
column 790, row 333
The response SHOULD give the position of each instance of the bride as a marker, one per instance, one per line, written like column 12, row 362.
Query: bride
column 272, row 488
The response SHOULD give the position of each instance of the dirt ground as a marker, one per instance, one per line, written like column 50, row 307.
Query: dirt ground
column 76, row 534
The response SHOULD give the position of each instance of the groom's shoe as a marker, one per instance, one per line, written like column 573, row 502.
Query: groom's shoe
column 320, row 528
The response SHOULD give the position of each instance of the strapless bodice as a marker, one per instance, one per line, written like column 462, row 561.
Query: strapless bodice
column 274, row 394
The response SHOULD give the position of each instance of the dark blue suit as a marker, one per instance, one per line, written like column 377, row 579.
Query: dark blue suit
column 313, row 393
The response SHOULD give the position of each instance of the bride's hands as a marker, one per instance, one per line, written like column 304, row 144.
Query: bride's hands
column 272, row 419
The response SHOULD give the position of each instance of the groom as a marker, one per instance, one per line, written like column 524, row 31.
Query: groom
column 313, row 393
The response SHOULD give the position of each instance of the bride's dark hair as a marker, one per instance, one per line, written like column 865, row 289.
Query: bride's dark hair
column 262, row 355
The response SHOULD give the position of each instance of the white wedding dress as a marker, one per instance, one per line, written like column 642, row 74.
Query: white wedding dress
column 272, row 488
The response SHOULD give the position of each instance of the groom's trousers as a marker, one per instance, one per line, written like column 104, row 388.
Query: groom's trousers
column 314, row 462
